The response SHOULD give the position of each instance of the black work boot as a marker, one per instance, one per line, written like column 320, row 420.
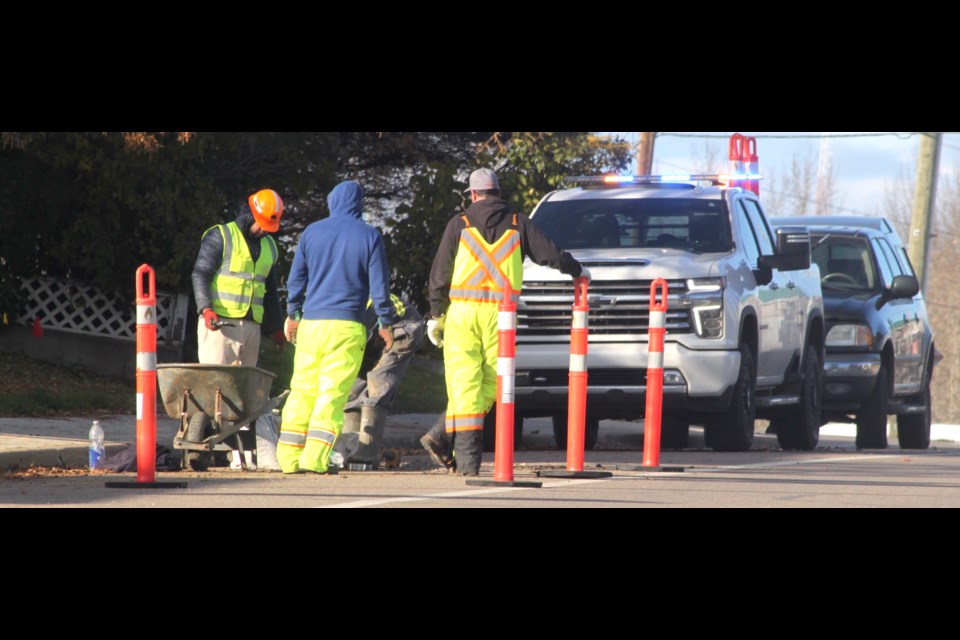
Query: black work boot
column 437, row 445
column 467, row 450
column 372, row 422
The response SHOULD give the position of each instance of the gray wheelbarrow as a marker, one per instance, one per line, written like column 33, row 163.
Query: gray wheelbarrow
column 213, row 402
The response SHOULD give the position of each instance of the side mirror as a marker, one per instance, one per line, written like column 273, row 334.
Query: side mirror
column 902, row 287
column 793, row 250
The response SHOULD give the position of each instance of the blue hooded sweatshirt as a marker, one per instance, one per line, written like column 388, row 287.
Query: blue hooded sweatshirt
column 340, row 264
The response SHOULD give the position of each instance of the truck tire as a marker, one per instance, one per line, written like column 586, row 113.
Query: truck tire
column 592, row 431
column 872, row 418
column 732, row 430
column 799, row 427
column 198, row 430
column 490, row 431
column 914, row 429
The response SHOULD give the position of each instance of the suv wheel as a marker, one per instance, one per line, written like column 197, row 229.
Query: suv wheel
column 800, row 428
column 560, row 431
column 914, row 429
column 872, row 419
column 732, row 430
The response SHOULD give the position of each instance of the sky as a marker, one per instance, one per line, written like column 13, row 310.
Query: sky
column 864, row 164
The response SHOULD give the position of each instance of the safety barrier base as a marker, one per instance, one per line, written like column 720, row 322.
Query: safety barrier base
column 505, row 483
column 651, row 469
column 576, row 475
column 145, row 485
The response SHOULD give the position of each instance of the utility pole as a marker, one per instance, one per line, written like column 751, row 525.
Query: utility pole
column 645, row 153
column 928, row 165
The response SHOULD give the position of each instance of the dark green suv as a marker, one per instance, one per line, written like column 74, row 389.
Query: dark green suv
column 879, row 346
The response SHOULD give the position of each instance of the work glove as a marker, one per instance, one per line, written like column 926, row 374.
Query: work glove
column 290, row 327
column 211, row 319
column 435, row 330
column 387, row 334
column 584, row 273
column 278, row 341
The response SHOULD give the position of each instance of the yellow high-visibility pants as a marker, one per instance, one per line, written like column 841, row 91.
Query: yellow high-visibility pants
column 328, row 357
column 470, row 341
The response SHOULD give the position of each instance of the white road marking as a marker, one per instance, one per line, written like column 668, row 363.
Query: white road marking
column 474, row 493
column 468, row 493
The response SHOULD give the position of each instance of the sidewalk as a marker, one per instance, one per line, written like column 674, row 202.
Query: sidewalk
column 63, row 441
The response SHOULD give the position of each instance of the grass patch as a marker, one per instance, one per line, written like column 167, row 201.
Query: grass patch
column 35, row 388
column 422, row 390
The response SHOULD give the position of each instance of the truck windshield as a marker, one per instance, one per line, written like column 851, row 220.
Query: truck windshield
column 694, row 225
column 844, row 262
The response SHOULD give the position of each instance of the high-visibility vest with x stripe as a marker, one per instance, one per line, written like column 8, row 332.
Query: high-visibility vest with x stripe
column 482, row 271
column 240, row 284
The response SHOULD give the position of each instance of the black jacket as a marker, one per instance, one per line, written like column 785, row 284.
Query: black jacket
column 492, row 216
column 208, row 263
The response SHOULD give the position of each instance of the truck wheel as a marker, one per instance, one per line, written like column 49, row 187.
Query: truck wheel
column 733, row 429
column 799, row 428
column 674, row 432
column 914, row 429
column 198, row 430
column 592, row 427
column 872, row 419
column 490, row 431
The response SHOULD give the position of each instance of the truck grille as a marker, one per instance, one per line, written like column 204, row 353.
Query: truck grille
column 616, row 308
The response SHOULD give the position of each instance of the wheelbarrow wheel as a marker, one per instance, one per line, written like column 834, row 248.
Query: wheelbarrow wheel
column 198, row 429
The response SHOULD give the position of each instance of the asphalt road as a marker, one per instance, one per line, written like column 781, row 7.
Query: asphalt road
column 836, row 475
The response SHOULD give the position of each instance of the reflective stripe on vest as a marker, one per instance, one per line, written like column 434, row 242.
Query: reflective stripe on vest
column 482, row 271
column 240, row 285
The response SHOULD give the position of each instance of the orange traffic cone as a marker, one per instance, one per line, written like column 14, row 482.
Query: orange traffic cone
column 37, row 327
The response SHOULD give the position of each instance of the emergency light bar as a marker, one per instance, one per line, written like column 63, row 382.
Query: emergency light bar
column 715, row 178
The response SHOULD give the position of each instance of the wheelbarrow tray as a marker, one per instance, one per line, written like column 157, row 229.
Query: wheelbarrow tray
column 244, row 391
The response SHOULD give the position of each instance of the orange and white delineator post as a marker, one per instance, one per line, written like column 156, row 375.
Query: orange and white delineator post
column 752, row 164
column 146, row 375
column 506, row 393
column 738, row 156
column 577, row 389
column 506, row 386
column 146, row 299
column 654, row 406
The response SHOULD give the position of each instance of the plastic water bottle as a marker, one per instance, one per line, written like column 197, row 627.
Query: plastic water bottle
column 96, row 444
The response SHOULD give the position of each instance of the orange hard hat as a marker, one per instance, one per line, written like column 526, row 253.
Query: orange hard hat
column 267, row 208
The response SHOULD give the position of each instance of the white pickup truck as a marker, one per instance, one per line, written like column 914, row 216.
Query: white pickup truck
column 745, row 325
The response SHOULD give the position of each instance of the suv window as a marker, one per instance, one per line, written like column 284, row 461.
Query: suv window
column 882, row 263
column 905, row 262
column 670, row 223
column 845, row 263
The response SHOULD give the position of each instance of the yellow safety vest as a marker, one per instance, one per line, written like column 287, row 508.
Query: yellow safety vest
column 240, row 285
column 482, row 271
column 398, row 305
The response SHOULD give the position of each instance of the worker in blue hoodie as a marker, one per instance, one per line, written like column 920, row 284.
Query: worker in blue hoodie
column 340, row 264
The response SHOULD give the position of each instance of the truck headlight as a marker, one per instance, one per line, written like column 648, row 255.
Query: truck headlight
column 709, row 321
column 850, row 335
column 705, row 285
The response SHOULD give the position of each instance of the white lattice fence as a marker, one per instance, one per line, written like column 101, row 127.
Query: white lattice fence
column 78, row 307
